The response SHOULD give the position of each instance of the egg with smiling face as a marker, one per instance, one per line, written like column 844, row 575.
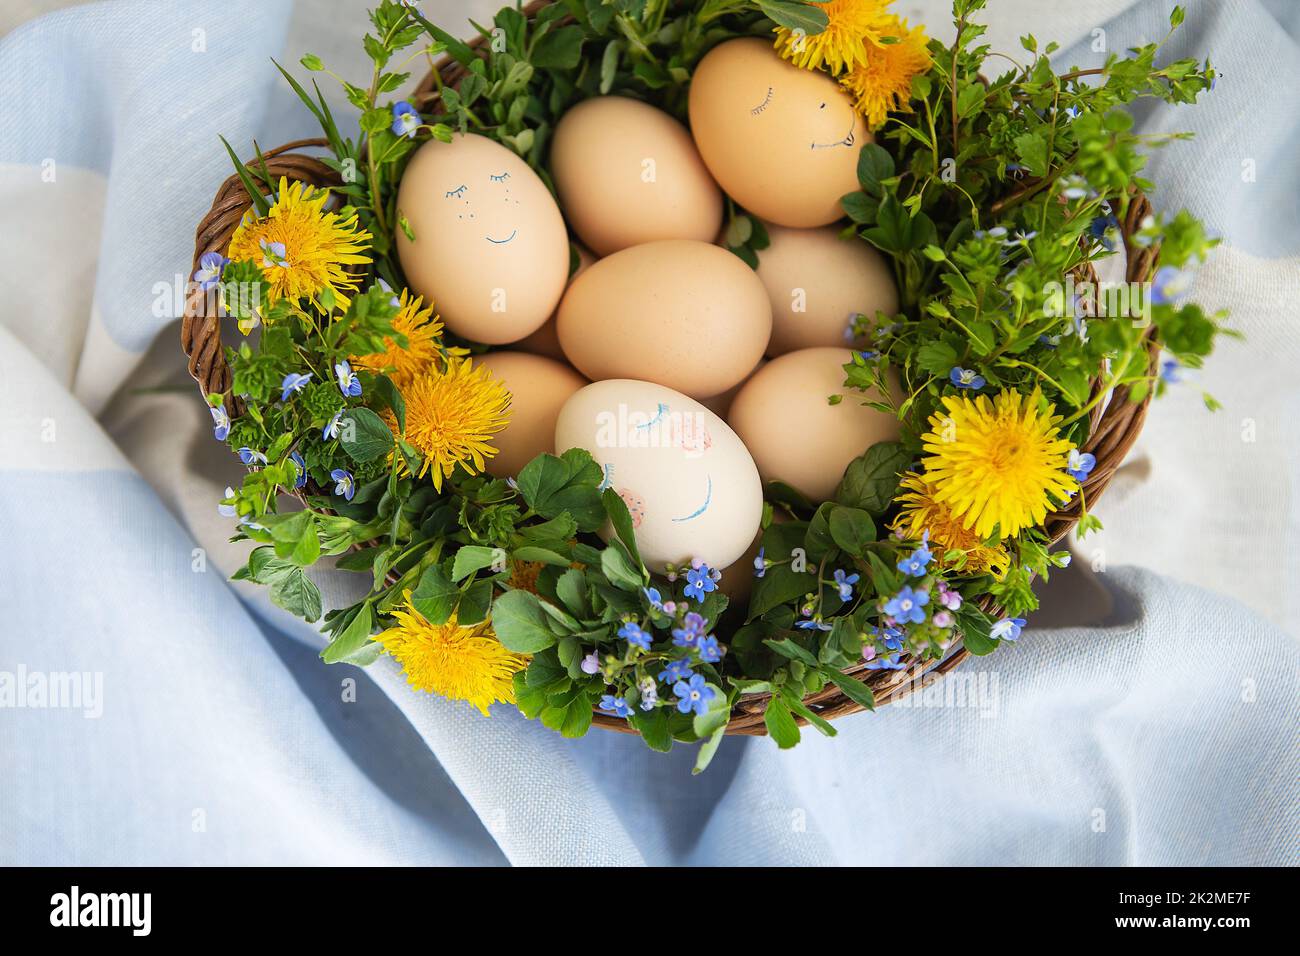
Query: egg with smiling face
column 781, row 141
column 691, row 488
column 489, row 248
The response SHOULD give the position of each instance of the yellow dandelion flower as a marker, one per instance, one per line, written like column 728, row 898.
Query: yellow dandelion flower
column 523, row 575
column 852, row 25
column 882, row 82
column 422, row 329
column 459, row 663
column 997, row 464
column 451, row 416
column 921, row 513
column 302, row 249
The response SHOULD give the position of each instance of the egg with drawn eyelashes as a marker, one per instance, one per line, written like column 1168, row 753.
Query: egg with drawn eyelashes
column 781, row 141
column 690, row 485
column 486, row 243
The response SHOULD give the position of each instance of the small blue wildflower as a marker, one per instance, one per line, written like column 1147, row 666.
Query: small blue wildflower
column 692, row 629
column 616, row 704
column 812, row 624
column 393, row 300
column 914, row 564
column 760, row 564
column 227, row 511
column 1075, row 187
column 211, row 266
column 869, row 356
column 248, row 456
column 695, row 695
column 332, row 427
column 344, row 483
column 1080, row 464
column 699, row 582
column 1170, row 371
column 844, row 583
column 654, row 597
column 710, row 651
column 677, row 670
column 220, row 421
column 273, row 254
column 1169, row 283
column 1007, row 629
column 908, row 605
column 590, row 664
column 301, row 480
column 890, row 663
column 634, row 635
column 349, row 384
column 406, row 121
column 649, row 693
column 891, row 637
column 1104, row 229
column 293, row 383
column 965, row 377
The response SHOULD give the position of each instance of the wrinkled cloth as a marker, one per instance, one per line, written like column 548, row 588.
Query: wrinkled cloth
column 195, row 723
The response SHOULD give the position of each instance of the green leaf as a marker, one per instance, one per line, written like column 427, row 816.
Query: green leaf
column 520, row 623
column 1032, row 150
column 552, row 485
column 788, row 648
column 871, row 480
column 436, row 596
column 707, row 749
column 529, row 700
column 715, row 717
column 975, row 626
column 799, row 707
column 387, row 393
column 364, row 435
column 571, row 589
column 619, row 517
column 352, row 639
column 937, row 358
column 851, row 529
column 874, row 166
column 654, row 729
column 559, row 49
column 780, row 724
column 781, row 584
column 794, row 16
column 854, row 690
column 475, row 603
column 618, row 569
column 296, row 593
column 472, row 558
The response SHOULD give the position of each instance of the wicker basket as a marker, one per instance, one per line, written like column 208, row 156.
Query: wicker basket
column 1115, row 424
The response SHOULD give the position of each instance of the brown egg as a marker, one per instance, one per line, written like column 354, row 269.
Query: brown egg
column 794, row 434
column 679, row 313
column 538, row 388
column 490, row 248
column 818, row 282
column 781, row 141
column 545, row 341
column 628, row 173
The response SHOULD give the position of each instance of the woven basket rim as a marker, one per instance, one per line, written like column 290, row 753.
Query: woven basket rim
column 1115, row 424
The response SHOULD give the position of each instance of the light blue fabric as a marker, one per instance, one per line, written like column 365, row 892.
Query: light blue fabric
column 1165, row 736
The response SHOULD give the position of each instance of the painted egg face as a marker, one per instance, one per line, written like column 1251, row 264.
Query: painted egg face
column 490, row 247
column 781, row 141
column 688, row 482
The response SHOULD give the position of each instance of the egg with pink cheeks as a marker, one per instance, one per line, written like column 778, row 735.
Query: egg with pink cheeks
column 690, row 485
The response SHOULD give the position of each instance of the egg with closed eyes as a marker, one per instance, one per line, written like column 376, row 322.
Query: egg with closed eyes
column 689, row 484
column 781, row 141
column 486, row 243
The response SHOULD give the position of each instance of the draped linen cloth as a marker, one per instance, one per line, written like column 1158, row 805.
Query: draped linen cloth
column 1147, row 715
